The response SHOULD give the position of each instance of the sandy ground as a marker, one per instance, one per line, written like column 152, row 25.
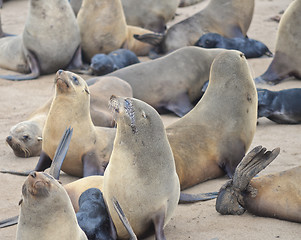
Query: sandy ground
column 194, row 221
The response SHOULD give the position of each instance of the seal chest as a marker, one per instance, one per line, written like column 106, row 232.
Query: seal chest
column 141, row 173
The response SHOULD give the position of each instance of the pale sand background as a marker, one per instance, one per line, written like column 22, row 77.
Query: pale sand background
column 195, row 221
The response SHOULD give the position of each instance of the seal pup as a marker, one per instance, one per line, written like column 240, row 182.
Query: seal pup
column 249, row 47
column 227, row 18
column 50, row 27
column 282, row 107
column 286, row 61
column 25, row 138
column 141, row 165
column 224, row 119
column 103, row 29
column 91, row 146
column 275, row 195
column 184, row 79
column 152, row 15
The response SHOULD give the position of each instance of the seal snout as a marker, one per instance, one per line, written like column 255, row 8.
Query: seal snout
column 33, row 174
column 114, row 103
column 9, row 139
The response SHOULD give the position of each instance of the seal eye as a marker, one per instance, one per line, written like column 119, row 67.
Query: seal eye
column 207, row 42
column 25, row 137
column 75, row 80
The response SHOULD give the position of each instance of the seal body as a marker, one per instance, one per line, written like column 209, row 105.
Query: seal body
column 184, row 79
column 214, row 136
column 141, row 165
column 282, row 107
column 46, row 211
column 286, row 61
column 249, row 47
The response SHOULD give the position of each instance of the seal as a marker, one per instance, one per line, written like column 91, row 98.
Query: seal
column 102, row 64
column 25, row 138
column 152, row 15
column 282, row 107
column 286, row 59
column 251, row 48
column 142, row 152
column 43, row 199
column 224, row 119
column 274, row 195
column 227, row 18
column 184, row 80
column 91, row 146
column 27, row 53
column 113, row 32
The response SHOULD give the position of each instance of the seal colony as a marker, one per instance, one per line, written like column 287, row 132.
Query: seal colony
column 50, row 27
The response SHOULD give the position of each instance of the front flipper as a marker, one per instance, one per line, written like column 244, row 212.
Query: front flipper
column 191, row 198
column 180, row 105
column 9, row 222
column 158, row 221
column 92, row 165
column 76, row 61
column 34, row 68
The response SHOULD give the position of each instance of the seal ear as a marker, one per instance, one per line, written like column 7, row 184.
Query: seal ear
column 87, row 90
column 20, row 202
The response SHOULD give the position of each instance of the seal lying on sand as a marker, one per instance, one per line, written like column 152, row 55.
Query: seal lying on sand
column 287, row 60
column 50, row 41
column 280, row 106
column 275, row 195
column 249, row 47
column 228, row 18
column 212, row 138
column 25, row 138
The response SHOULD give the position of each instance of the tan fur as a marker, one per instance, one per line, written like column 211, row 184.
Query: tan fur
column 220, row 128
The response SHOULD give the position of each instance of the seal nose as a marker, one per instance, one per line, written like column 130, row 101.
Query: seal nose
column 59, row 71
column 9, row 138
column 33, row 174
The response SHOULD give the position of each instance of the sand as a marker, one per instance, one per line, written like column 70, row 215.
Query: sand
column 192, row 221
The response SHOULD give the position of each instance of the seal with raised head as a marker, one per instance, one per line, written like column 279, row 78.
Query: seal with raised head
column 46, row 210
column 214, row 136
column 25, row 138
column 282, row 107
column 251, row 48
column 50, row 27
column 91, row 146
column 141, row 165
column 227, row 18
column 287, row 60
column 184, row 79
column 276, row 195
column 152, row 15
column 103, row 29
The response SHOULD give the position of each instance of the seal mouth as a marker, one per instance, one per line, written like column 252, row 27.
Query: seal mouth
column 19, row 149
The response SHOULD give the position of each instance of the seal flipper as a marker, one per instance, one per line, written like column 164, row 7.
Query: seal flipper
column 158, row 221
column 9, row 222
column 191, row 198
column 76, row 61
column 180, row 105
column 34, row 68
column 91, row 165
column 154, row 39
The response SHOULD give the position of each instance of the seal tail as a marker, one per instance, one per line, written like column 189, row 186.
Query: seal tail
column 191, row 198
column 154, row 39
column 9, row 222
column 124, row 219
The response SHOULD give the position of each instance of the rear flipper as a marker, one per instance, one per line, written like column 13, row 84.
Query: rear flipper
column 180, row 105
column 9, row 222
column 191, row 198
column 230, row 198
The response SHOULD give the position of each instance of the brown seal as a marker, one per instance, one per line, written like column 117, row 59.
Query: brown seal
column 46, row 210
column 227, row 18
column 213, row 137
column 25, row 138
column 141, row 153
column 184, row 80
column 51, row 24
column 276, row 195
column 91, row 146
column 286, row 61
column 103, row 29
column 152, row 15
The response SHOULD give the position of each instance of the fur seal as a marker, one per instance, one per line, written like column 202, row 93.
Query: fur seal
column 227, row 18
column 282, row 107
column 91, row 146
column 274, row 195
column 43, row 199
column 184, row 79
column 249, row 47
column 50, row 27
column 286, row 61
column 224, row 119
column 142, row 152
column 152, row 15
column 102, row 64
column 103, row 29
column 25, row 138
